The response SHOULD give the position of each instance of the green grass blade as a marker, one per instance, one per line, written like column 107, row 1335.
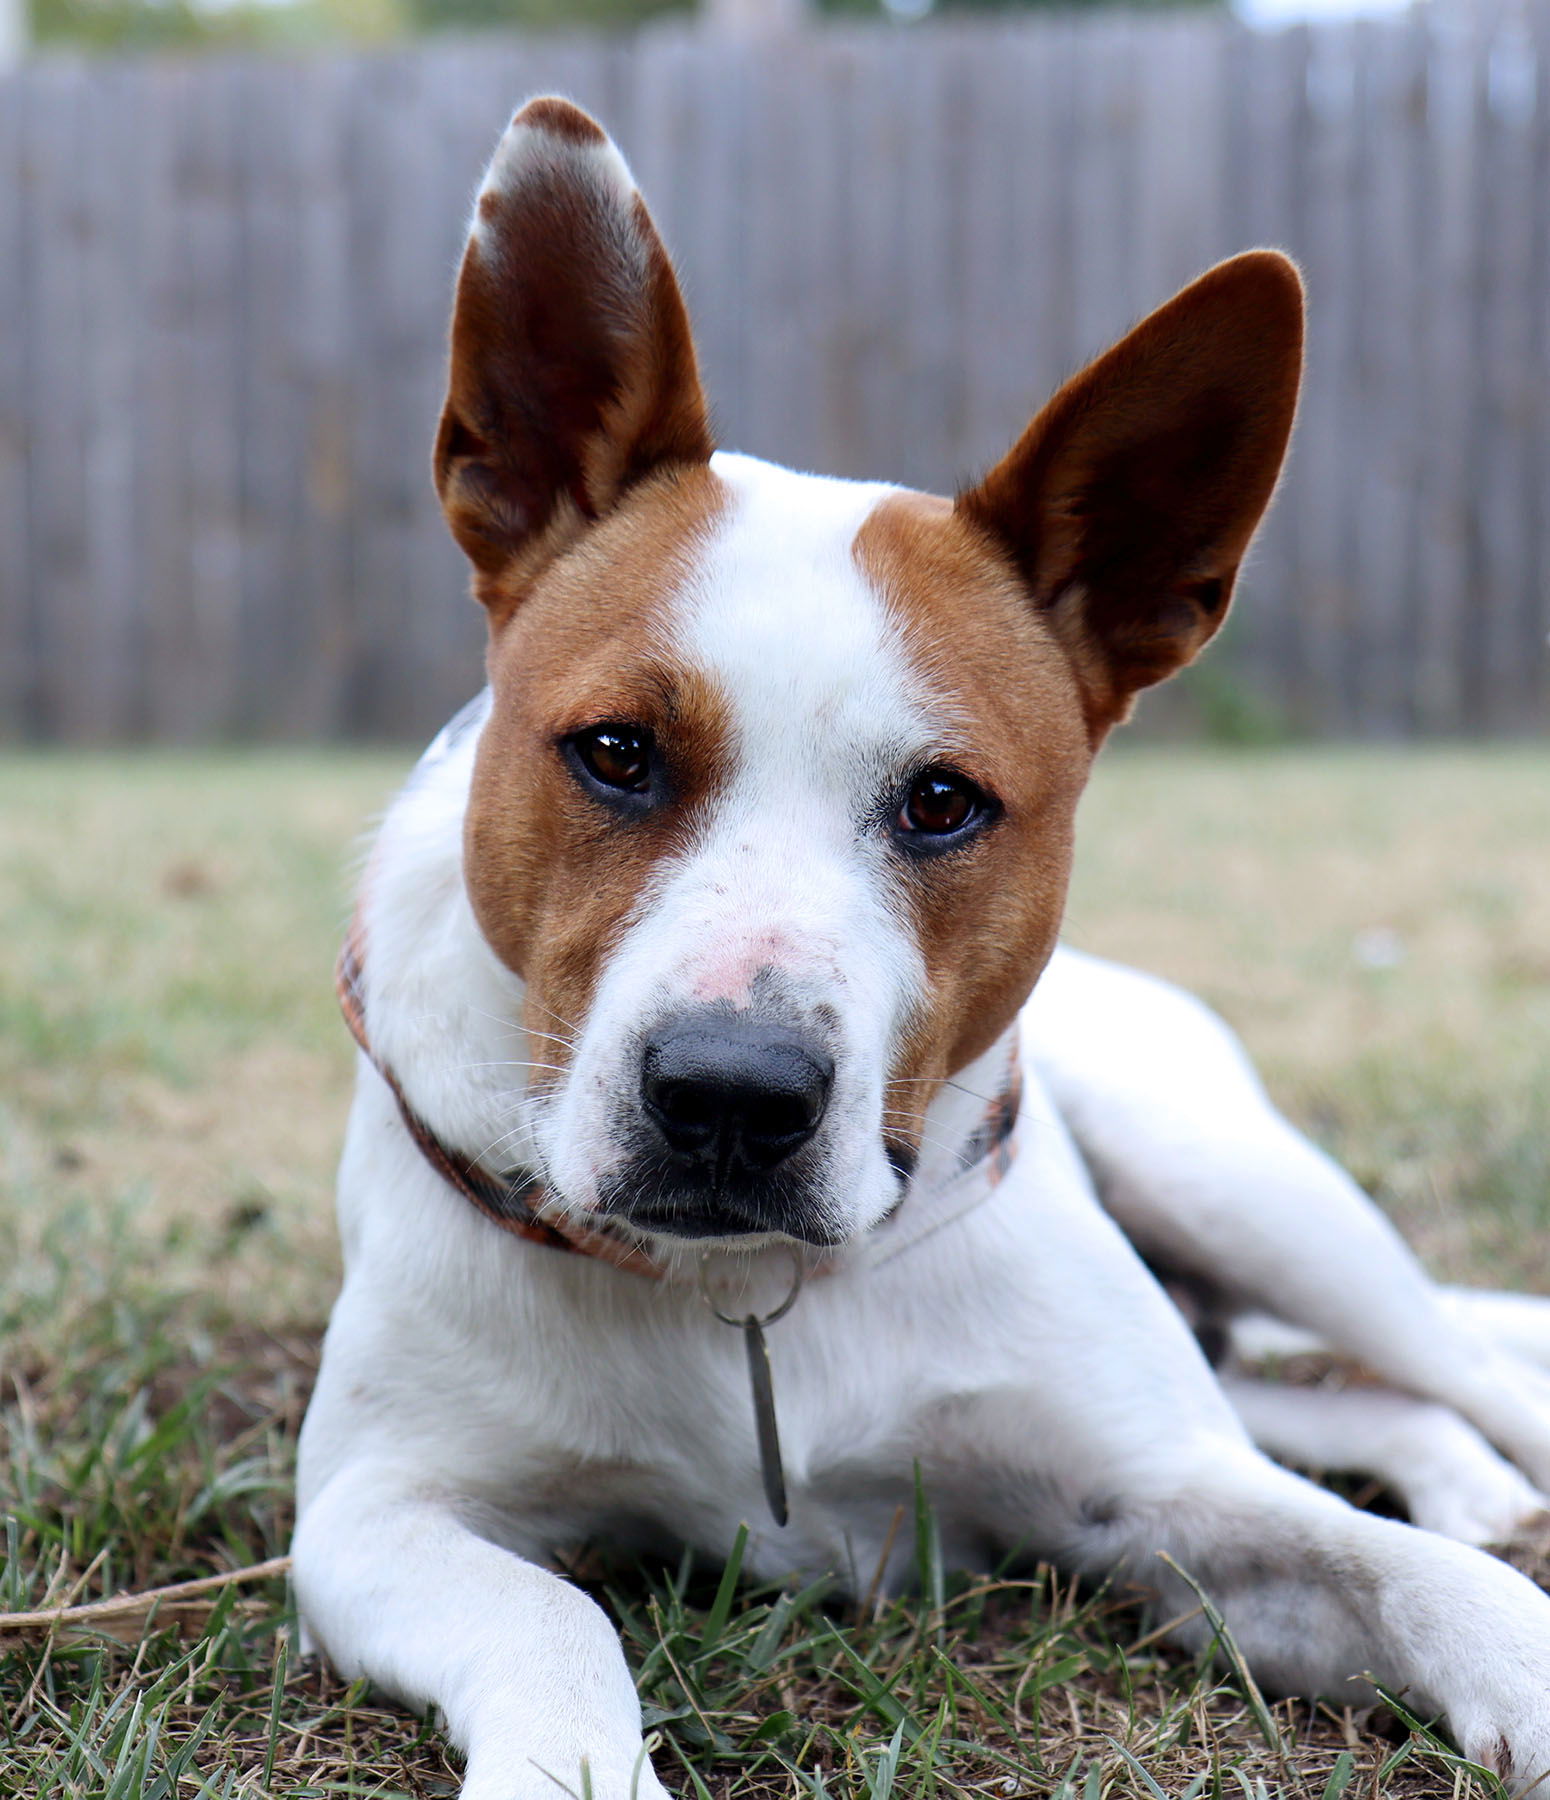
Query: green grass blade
column 726, row 1593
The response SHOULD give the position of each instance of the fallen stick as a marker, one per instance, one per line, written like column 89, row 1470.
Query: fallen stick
column 141, row 1602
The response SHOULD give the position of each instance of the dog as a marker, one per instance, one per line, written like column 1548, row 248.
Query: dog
column 710, row 1163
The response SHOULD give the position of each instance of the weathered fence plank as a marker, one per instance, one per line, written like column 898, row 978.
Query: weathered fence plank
column 17, row 663
column 1512, row 421
column 1448, row 254
column 57, row 255
column 223, row 290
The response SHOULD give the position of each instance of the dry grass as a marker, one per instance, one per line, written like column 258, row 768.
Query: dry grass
column 172, row 1086
column 1377, row 925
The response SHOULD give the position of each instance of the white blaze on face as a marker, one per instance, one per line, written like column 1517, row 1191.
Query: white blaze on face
column 788, row 880
column 825, row 715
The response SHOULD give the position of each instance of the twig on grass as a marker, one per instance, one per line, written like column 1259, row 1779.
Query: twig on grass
column 105, row 1613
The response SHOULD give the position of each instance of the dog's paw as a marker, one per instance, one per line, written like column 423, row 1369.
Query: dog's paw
column 556, row 1778
column 1501, row 1718
column 1496, row 1513
column 1519, row 1758
column 1455, row 1484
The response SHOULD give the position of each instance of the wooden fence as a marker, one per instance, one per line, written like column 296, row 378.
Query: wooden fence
column 223, row 289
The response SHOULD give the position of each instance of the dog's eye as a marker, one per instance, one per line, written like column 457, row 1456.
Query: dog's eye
column 940, row 803
column 617, row 756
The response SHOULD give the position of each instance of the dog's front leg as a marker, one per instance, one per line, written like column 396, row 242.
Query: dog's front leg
column 1321, row 1598
column 527, row 1672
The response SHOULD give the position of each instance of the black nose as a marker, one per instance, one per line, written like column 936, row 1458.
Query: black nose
column 733, row 1095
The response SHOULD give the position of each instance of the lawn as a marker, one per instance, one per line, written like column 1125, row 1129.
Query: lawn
column 173, row 1081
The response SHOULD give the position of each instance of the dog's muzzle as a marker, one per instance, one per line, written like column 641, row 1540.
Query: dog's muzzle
column 728, row 1101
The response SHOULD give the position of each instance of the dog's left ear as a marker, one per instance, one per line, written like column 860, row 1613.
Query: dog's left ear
column 1128, row 503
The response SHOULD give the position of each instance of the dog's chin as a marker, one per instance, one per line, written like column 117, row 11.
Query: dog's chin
column 688, row 1231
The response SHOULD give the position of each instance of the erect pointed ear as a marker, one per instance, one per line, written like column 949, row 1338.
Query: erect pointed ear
column 572, row 371
column 1128, row 503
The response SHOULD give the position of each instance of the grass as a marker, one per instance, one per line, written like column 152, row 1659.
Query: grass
column 172, row 1086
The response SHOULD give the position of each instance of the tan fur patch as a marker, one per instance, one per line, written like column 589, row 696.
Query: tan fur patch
column 986, row 917
column 553, row 875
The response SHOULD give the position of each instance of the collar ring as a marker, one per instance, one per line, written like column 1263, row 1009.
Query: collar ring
column 798, row 1276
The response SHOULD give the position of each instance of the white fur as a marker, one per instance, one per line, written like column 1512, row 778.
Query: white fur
column 528, row 153
column 484, row 1402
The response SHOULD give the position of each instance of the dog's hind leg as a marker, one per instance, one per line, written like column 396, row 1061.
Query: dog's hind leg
column 1204, row 1175
column 1449, row 1479
column 1519, row 1323
column 395, row 1585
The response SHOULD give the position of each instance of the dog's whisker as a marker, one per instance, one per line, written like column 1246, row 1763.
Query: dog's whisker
column 1027, row 1115
column 940, row 1082
column 494, row 1018
column 559, row 1018
column 516, row 1063
column 932, row 1141
column 496, row 1145
column 524, row 1109
column 517, row 1103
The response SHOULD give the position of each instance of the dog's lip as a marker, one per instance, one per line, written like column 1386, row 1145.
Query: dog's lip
column 695, row 1225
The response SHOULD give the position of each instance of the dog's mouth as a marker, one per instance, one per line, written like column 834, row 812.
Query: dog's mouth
column 651, row 1197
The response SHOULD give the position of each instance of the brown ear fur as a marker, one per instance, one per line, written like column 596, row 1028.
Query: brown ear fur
column 573, row 371
column 1128, row 503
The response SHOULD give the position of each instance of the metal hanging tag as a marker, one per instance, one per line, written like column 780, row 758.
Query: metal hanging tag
column 772, row 1471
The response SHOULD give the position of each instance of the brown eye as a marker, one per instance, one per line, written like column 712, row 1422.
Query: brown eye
column 617, row 756
column 940, row 803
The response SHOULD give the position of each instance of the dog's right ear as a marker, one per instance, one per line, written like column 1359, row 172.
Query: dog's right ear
column 573, row 372
column 1128, row 503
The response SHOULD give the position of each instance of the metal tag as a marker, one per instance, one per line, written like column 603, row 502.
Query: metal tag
column 771, row 1469
column 772, row 1472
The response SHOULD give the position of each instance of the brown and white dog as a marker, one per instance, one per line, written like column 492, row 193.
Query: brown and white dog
column 698, row 954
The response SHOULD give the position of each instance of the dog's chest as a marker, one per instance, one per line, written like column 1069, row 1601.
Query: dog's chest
column 641, row 1431
column 574, row 1401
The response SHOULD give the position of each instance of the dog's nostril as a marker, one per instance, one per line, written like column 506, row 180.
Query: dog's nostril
column 687, row 1107
column 773, row 1118
column 731, row 1094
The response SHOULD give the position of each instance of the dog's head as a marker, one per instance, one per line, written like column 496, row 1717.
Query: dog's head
column 773, row 810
